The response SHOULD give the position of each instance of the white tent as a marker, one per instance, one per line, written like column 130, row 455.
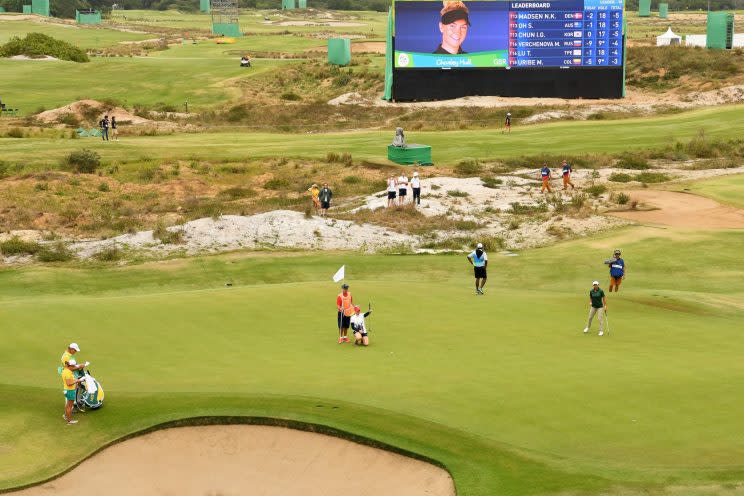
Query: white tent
column 668, row 38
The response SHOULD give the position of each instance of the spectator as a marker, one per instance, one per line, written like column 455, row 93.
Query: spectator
column 314, row 194
column 402, row 188
column 104, row 128
column 391, row 191
column 325, row 196
column 416, row 187
column 114, row 131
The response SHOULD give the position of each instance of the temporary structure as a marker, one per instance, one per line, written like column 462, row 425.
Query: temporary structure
column 668, row 38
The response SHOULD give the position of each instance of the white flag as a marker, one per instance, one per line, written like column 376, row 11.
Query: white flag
column 340, row 274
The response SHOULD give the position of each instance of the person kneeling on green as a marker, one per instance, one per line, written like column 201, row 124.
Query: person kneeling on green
column 70, row 386
column 598, row 307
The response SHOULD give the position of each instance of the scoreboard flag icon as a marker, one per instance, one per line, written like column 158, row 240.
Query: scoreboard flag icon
column 578, row 34
column 578, row 15
column 577, row 43
column 577, row 61
column 577, row 52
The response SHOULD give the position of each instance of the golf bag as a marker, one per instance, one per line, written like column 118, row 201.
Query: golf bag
column 89, row 393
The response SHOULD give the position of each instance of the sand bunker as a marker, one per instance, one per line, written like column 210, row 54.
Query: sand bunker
column 81, row 108
column 683, row 210
column 247, row 460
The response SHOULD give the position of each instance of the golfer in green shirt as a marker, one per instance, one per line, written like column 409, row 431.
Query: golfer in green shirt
column 598, row 307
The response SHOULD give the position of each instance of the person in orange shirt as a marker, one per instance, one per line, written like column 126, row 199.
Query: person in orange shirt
column 345, row 307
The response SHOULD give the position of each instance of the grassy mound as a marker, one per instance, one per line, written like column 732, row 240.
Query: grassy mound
column 39, row 45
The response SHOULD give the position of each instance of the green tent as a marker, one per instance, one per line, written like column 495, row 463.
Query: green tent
column 644, row 8
column 389, row 58
column 720, row 30
column 663, row 10
column 339, row 51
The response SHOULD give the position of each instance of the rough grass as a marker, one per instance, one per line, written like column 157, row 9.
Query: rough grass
column 408, row 219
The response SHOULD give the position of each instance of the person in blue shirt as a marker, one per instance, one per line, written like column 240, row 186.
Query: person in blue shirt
column 545, row 174
column 617, row 270
column 479, row 260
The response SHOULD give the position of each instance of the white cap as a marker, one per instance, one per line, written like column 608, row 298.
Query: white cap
column 595, row 282
column 479, row 245
column 415, row 174
column 71, row 362
column 74, row 346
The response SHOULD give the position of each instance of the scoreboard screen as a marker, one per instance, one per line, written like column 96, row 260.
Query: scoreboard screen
column 508, row 34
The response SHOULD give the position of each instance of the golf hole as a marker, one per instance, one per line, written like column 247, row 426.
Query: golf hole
column 248, row 459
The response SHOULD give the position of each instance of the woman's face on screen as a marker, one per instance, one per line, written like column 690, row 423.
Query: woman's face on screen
column 453, row 35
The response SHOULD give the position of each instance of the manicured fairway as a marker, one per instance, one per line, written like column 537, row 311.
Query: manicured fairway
column 503, row 389
column 728, row 189
column 572, row 137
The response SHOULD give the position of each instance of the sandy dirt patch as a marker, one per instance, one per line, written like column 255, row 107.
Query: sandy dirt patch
column 17, row 17
column 42, row 58
column 80, row 107
column 358, row 47
column 255, row 460
column 683, row 210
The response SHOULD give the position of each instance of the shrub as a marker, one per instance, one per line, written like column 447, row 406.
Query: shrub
column 17, row 246
column 468, row 167
column 104, row 187
column 84, row 161
column 456, row 193
column 290, row 96
column 620, row 177
column 276, row 183
column 15, row 132
column 521, row 209
column 111, row 254
column 701, row 147
column 41, row 187
column 69, row 119
column 633, row 161
column 55, row 253
column 622, row 199
column 491, row 182
column 596, row 190
column 39, row 45
column 352, row 179
column 236, row 193
column 166, row 236
column 652, row 177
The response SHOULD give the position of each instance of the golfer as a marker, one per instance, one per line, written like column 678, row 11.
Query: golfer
column 597, row 306
column 416, row 187
column 479, row 260
column 567, row 170
column 391, row 191
column 67, row 357
column 69, row 384
column 402, row 188
column 359, row 328
column 507, row 123
column 545, row 174
column 345, row 307
column 325, row 195
column 453, row 24
column 617, row 270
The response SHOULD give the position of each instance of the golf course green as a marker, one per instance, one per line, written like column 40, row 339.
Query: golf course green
column 504, row 390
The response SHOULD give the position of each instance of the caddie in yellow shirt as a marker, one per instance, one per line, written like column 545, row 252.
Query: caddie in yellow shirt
column 69, row 383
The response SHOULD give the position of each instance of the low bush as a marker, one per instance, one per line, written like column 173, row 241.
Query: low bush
column 634, row 161
column 456, row 193
column 620, row 177
column 622, row 199
column 111, row 254
column 596, row 190
column 15, row 132
column 352, row 179
column 84, row 161
column 491, row 182
column 55, row 253
column 276, row 183
column 17, row 246
column 39, row 45
column 290, row 96
column 521, row 209
column 468, row 167
column 237, row 193
column 166, row 236
column 652, row 177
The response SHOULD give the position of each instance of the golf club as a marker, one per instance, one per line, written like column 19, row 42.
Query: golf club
column 607, row 322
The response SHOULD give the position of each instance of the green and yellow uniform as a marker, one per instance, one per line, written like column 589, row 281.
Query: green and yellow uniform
column 69, row 391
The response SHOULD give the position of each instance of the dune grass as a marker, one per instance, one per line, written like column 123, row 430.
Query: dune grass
column 504, row 389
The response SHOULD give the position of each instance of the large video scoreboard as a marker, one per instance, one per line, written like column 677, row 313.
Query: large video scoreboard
column 519, row 36
column 492, row 34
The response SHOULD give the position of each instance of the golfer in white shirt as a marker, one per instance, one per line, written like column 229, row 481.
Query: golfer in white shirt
column 359, row 328
column 402, row 189
column 416, row 187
